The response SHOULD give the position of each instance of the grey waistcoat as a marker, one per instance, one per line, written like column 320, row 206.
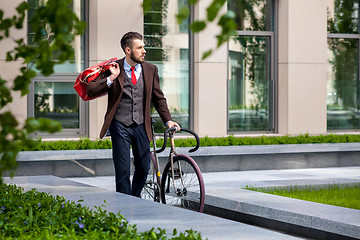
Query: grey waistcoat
column 131, row 107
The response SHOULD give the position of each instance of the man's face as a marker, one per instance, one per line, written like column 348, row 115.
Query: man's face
column 137, row 53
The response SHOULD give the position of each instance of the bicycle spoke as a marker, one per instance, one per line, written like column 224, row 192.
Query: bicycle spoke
column 184, row 188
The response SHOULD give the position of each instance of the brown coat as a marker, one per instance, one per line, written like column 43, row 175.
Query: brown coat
column 153, row 94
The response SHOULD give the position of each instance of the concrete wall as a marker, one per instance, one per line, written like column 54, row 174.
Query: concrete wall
column 302, row 66
column 8, row 71
column 210, row 79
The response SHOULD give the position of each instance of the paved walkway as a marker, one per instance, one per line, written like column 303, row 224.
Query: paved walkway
column 225, row 185
column 225, row 181
column 226, row 197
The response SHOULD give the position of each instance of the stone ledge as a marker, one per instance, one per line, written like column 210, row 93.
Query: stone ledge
column 83, row 163
column 277, row 149
column 299, row 217
column 203, row 151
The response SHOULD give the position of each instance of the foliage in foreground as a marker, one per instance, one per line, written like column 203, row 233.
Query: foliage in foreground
column 55, row 27
column 38, row 215
column 86, row 143
column 341, row 195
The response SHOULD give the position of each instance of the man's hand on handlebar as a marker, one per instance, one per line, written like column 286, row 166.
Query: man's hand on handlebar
column 171, row 124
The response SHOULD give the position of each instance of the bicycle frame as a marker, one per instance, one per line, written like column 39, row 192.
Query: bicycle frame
column 171, row 157
column 178, row 189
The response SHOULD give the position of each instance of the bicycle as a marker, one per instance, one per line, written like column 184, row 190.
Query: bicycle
column 181, row 183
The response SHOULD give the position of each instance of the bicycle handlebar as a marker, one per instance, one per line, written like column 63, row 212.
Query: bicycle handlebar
column 172, row 130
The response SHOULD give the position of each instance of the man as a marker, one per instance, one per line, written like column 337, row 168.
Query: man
column 132, row 86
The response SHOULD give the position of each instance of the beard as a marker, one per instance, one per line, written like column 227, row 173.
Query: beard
column 137, row 60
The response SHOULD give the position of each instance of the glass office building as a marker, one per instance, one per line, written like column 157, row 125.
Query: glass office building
column 291, row 68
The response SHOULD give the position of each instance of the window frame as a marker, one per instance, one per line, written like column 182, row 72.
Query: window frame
column 340, row 35
column 346, row 36
column 191, row 52
column 83, row 107
column 83, row 129
column 273, row 85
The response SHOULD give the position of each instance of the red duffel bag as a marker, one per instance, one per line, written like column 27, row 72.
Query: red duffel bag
column 90, row 74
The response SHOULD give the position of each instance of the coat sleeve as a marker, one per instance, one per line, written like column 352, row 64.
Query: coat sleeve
column 97, row 86
column 159, row 100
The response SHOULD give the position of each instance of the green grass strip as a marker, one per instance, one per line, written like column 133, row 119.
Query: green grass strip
column 86, row 143
column 341, row 195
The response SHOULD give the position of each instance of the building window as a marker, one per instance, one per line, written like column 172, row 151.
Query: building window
column 343, row 72
column 167, row 46
column 54, row 97
column 250, row 67
column 57, row 101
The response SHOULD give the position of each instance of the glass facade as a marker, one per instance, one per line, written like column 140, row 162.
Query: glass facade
column 78, row 62
column 343, row 71
column 250, row 97
column 54, row 97
column 249, row 83
column 255, row 15
column 343, row 16
column 167, row 46
column 57, row 101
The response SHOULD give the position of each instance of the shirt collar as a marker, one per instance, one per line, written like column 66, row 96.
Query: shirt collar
column 127, row 66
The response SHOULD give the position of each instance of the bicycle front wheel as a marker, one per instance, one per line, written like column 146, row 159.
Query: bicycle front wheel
column 151, row 189
column 183, row 186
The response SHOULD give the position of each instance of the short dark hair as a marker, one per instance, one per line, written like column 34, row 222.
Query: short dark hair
column 127, row 39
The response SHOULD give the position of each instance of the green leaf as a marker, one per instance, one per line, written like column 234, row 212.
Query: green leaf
column 21, row 83
column 206, row 54
column 5, row 96
column 47, row 125
column 229, row 16
column 197, row 26
column 31, row 74
column 31, row 214
column 184, row 13
column 32, row 125
column 9, row 57
column 5, row 25
column 214, row 8
column 228, row 26
column 42, row 124
column 22, row 7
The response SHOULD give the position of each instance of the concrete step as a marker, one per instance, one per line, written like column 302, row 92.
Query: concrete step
column 226, row 200
column 148, row 214
column 226, row 197
column 302, row 218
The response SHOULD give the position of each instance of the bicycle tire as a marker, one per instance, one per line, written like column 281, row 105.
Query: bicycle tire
column 191, row 193
column 151, row 189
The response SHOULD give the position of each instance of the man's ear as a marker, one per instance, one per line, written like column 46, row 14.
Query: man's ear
column 128, row 50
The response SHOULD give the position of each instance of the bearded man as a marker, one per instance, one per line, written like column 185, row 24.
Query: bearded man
column 132, row 86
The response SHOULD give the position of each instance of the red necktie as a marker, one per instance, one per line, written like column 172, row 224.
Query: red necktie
column 133, row 77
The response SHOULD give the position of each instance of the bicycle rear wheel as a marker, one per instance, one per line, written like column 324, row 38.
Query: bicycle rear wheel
column 151, row 189
column 186, row 188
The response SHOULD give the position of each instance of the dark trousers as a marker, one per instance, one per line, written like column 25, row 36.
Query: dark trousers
column 122, row 137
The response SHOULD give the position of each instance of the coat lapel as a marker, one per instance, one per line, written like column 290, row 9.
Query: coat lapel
column 120, row 78
column 147, row 79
